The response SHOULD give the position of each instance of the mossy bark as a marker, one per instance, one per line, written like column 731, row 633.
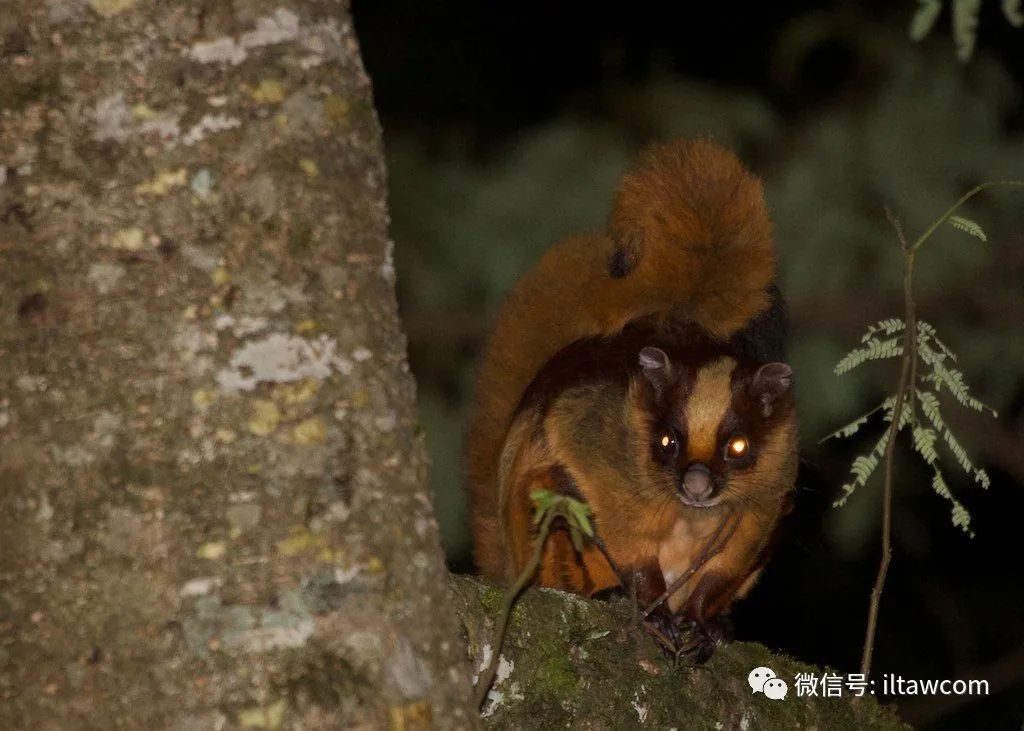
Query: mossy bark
column 570, row 663
column 213, row 509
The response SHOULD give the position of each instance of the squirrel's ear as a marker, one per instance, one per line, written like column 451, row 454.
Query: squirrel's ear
column 656, row 367
column 770, row 383
column 626, row 254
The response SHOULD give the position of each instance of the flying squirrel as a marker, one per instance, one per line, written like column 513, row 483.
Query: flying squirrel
column 639, row 370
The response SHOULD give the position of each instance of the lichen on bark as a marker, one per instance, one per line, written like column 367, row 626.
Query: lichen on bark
column 212, row 499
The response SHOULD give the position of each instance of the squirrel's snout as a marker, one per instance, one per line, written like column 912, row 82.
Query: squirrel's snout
column 697, row 487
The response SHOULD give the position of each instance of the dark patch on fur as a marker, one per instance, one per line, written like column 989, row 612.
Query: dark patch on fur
column 646, row 583
column 615, row 359
column 713, row 591
column 764, row 339
column 623, row 261
column 629, row 248
column 565, row 484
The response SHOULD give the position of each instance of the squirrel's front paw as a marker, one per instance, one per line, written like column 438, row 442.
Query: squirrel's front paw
column 666, row 632
column 702, row 639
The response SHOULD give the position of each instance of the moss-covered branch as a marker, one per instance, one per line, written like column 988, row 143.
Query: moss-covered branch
column 572, row 663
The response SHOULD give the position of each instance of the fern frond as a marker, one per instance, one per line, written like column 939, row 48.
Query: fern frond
column 874, row 350
column 887, row 327
column 967, row 226
column 924, row 443
column 862, row 468
column 906, row 412
column 931, row 408
column 926, row 333
column 1014, row 14
column 979, row 475
column 854, row 426
column 965, row 27
column 940, row 486
column 961, row 518
column 924, row 18
column 952, row 379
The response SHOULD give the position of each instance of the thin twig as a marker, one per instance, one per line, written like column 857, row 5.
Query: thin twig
column 483, row 685
column 711, row 549
column 956, row 206
column 905, row 387
column 910, row 306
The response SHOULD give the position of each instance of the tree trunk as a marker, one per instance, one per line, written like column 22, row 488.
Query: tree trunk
column 213, row 509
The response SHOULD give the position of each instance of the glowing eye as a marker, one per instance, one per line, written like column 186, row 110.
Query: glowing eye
column 738, row 447
column 666, row 446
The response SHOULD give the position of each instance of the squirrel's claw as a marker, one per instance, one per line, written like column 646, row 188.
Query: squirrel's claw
column 688, row 642
column 702, row 639
column 665, row 632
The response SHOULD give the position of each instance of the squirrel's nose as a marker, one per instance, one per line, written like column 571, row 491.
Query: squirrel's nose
column 697, row 482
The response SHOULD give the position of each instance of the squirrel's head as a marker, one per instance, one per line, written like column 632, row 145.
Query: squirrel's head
column 720, row 431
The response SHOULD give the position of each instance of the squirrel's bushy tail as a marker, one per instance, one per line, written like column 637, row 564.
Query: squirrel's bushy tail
column 689, row 237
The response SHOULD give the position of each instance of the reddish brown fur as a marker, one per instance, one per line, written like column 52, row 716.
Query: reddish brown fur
column 589, row 439
column 694, row 223
column 700, row 221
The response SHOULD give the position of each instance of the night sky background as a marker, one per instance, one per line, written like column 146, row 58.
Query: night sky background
column 506, row 126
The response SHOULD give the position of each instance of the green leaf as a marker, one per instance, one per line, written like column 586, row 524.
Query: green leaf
column 874, row 350
column 906, row 414
column 854, row 426
column 543, row 497
column 926, row 334
column 965, row 27
column 544, row 500
column 951, row 378
column 930, row 406
column 940, row 486
column 968, row 226
column 924, row 18
column 924, row 443
column 862, row 468
column 581, row 516
column 576, row 537
column 575, row 512
column 961, row 518
column 1014, row 14
column 885, row 327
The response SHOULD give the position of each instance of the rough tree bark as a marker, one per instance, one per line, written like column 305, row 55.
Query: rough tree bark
column 212, row 499
column 213, row 508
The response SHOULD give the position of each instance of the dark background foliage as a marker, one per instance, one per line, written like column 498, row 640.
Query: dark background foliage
column 507, row 125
